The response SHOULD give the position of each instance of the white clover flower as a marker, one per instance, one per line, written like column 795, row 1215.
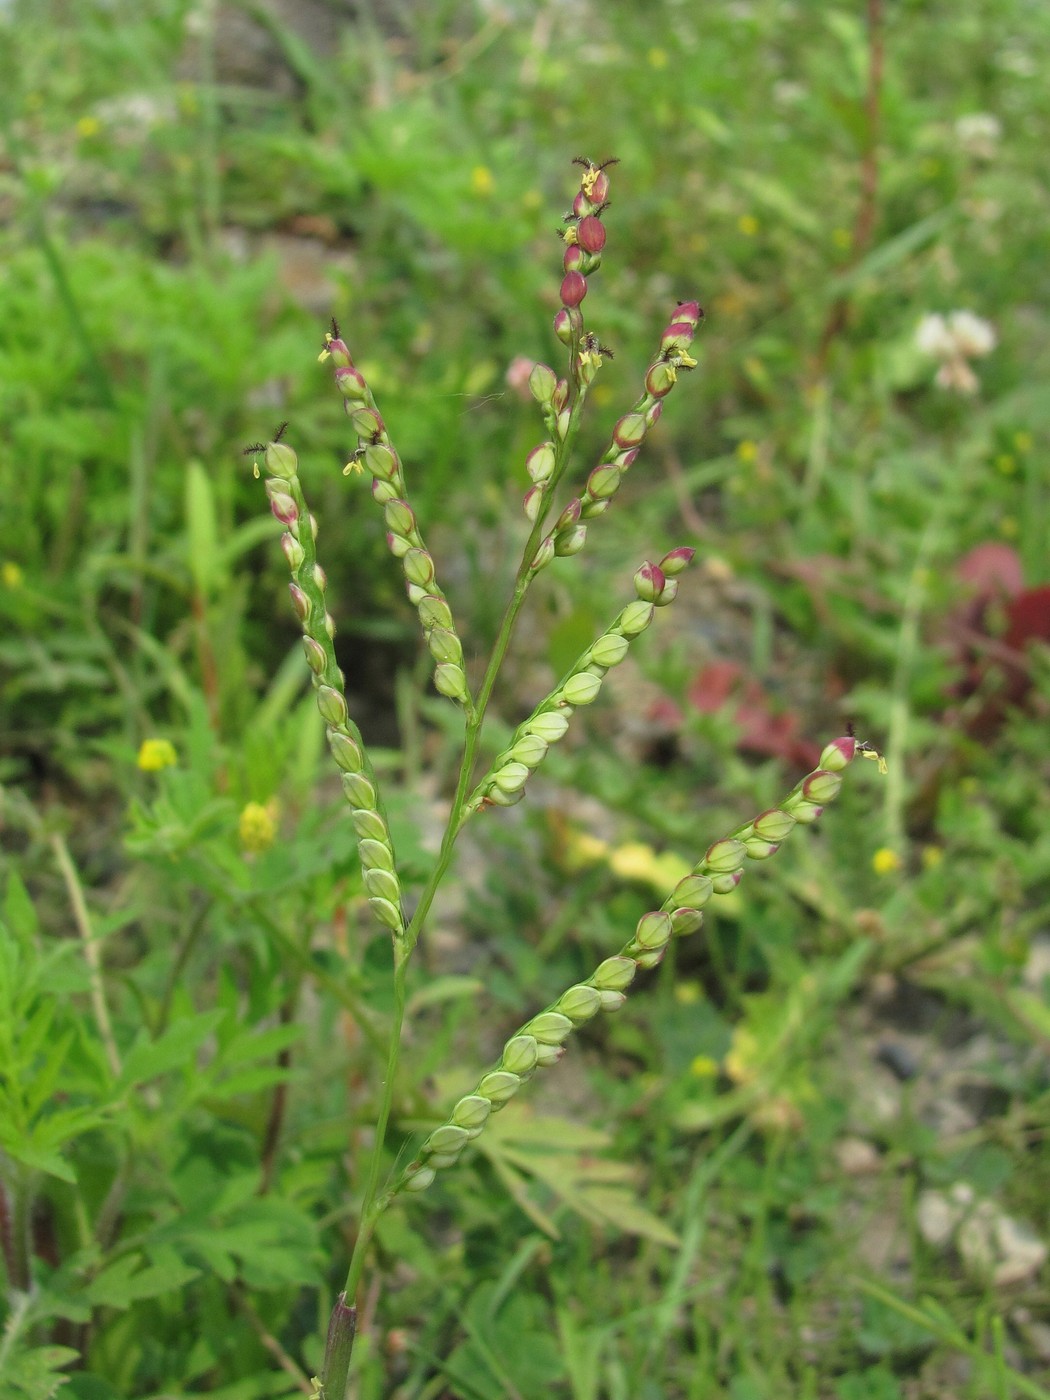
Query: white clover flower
column 957, row 376
column 789, row 93
column 135, row 112
column 934, row 338
column 978, row 134
column 974, row 337
column 955, row 340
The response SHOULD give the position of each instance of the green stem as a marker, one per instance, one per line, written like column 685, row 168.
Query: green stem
column 14, row 1230
column 92, row 957
column 369, row 1214
column 459, row 814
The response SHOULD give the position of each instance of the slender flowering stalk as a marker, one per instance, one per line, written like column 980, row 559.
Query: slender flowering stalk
column 307, row 589
column 504, row 784
column 375, row 454
column 562, row 400
column 540, row 1042
column 570, row 530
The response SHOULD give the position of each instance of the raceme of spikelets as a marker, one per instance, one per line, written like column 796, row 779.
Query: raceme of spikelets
column 376, row 454
column 541, row 1041
column 504, row 783
column 375, row 847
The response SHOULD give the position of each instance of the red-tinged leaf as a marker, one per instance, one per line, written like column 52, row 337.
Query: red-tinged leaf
column 713, row 685
column 990, row 569
column 762, row 730
column 1028, row 618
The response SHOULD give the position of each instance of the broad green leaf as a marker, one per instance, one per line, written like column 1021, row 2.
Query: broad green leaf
column 581, row 1351
column 19, row 913
column 45, row 1076
column 42, row 1159
column 249, row 1081
column 563, row 1156
column 124, row 1282
column 249, row 1045
column 174, row 1049
column 35, row 1031
column 35, row 1374
column 611, row 1205
column 547, row 1132
column 517, row 1188
column 509, row 1349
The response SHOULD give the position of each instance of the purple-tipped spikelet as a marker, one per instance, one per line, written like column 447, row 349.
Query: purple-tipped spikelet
column 504, row 783
column 375, row 453
column 584, row 236
column 681, row 914
column 307, row 589
column 632, row 429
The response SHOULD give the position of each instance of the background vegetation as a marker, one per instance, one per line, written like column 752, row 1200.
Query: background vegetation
column 809, row 1158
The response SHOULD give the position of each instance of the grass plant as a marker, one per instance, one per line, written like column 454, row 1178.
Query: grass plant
column 556, row 531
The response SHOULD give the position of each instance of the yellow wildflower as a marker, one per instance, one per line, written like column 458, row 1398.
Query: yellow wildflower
column 748, row 225
column 885, row 861
column 155, row 754
column 481, row 182
column 634, row 860
column 741, row 1063
column 579, row 849
column 88, row 127
column 257, row 827
column 703, row 1067
column 747, row 450
column 11, row 574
